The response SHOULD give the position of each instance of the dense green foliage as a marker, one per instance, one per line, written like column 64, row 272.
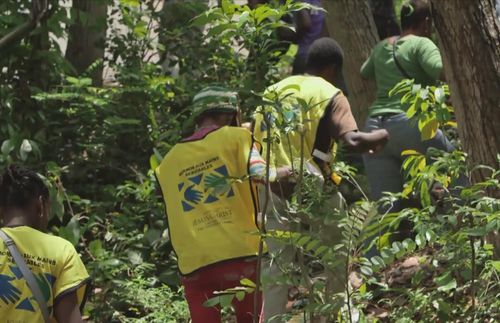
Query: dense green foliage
column 97, row 146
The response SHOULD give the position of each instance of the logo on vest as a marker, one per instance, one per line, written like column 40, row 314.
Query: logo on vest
column 205, row 188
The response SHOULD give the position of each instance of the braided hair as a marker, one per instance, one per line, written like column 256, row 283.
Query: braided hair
column 414, row 12
column 19, row 186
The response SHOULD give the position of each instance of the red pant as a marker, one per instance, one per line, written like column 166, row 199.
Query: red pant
column 200, row 286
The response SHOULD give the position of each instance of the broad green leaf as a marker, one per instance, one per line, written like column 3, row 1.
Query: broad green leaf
column 445, row 282
column 367, row 271
column 240, row 295
column 409, row 245
column 440, row 95
column 134, row 257
column 211, row 302
column 153, row 162
column 71, row 231
column 420, row 240
column 378, row 261
column 429, row 128
column 130, row 3
column 247, row 282
column 362, row 289
column 7, row 146
column 25, row 149
column 303, row 240
column 95, row 247
column 409, row 152
column 141, row 29
column 243, row 18
column 226, row 300
column 495, row 264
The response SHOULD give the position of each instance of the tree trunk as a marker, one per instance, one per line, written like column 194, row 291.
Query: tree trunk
column 470, row 44
column 351, row 23
column 385, row 18
column 87, row 36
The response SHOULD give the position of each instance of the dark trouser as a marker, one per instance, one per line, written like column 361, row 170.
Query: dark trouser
column 384, row 168
column 201, row 285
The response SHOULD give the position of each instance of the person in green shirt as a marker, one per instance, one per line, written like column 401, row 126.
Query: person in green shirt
column 412, row 55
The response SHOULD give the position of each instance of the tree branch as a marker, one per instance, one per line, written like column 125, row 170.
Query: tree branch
column 39, row 10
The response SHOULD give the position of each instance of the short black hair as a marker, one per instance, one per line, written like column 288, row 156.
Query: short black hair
column 414, row 12
column 20, row 186
column 324, row 52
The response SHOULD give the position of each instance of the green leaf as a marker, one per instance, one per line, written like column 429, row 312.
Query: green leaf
column 71, row 231
column 409, row 245
column 425, row 196
column 95, row 247
column 410, row 152
column 7, row 146
column 387, row 255
column 25, row 149
column 440, row 95
column 240, row 295
column 130, row 3
column 495, row 264
column 303, row 240
column 225, row 300
column 153, row 162
column 428, row 128
column 134, row 257
column 446, row 282
column 211, row 302
column 243, row 19
column 247, row 282
column 367, row 271
column 378, row 261
column 141, row 29
column 117, row 121
column 420, row 240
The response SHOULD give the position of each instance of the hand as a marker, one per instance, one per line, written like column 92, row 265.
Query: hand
column 363, row 142
column 377, row 140
column 283, row 172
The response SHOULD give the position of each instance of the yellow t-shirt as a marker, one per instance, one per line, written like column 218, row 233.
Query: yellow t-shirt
column 54, row 263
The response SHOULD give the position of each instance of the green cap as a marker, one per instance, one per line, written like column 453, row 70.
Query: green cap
column 214, row 99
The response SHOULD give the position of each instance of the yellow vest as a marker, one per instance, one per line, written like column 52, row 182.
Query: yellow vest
column 210, row 223
column 298, row 90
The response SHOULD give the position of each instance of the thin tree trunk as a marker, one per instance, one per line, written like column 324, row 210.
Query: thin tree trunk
column 351, row 23
column 470, row 44
column 385, row 18
column 87, row 36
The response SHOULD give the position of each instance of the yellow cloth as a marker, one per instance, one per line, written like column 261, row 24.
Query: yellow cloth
column 210, row 223
column 54, row 263
column 305, row 98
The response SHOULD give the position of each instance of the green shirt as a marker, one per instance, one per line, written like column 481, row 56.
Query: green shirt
column 418, row 56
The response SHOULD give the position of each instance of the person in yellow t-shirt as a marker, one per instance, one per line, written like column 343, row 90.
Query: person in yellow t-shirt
column 54, row 262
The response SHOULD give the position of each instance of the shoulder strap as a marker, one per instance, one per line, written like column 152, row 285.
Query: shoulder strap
column 398, row 64
column 28, row 275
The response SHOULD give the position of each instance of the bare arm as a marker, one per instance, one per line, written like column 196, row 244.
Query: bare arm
column 343, row 126
column 67, row 309
column 362, row 142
